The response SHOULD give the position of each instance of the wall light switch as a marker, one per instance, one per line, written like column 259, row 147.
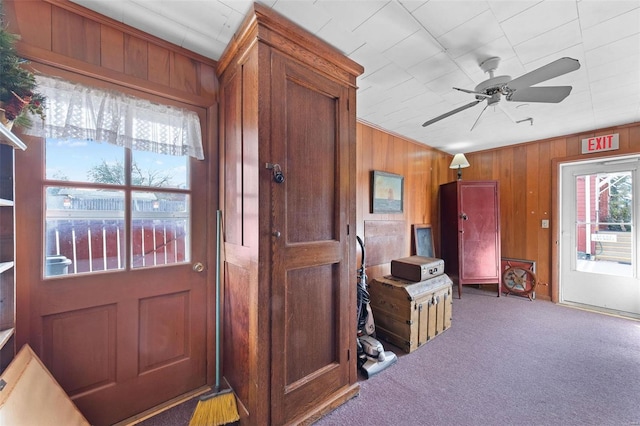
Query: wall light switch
column 545, row 223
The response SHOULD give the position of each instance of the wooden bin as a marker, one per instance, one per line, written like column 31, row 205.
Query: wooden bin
column 409, row 314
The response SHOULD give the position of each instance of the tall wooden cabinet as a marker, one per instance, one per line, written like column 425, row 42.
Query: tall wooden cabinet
column 8, row 143
column 287, row 149
column 470, row 232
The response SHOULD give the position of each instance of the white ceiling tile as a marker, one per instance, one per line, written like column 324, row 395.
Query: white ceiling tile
column 303, row 12
column 432, row 68
column 412, row 5
column 228, row 30
column 421, row 103
column 137, row 16
column 539, row 19
column 242, row 6
column 509, row 66
column 550, row 42
column 505, row 9
column 351, row 14
column 218, row 18
column 447, row 82
column 611, row 30
column 200, row 43
column 441, row 16
column 113, row 9
column 414, row 49
column 407, row 90
column 371, row 59
column 475, row 33
column 626, row 65
column 612, row 52
column 395, row 21
column 469, row 62
column 345, row 41
column 616, row 85
column 593, row 12
column 388, row 76
column 373, row 96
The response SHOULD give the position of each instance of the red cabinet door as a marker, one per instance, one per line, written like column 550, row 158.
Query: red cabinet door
column 480, row 232
column 470, row 231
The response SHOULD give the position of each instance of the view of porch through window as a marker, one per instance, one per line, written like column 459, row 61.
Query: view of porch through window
column 109, row 208
column 604, row 223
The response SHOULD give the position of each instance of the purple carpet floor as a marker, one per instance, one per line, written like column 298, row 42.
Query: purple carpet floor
column 504, row 361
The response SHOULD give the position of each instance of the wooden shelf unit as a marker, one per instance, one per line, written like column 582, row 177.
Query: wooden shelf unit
column 8, row 144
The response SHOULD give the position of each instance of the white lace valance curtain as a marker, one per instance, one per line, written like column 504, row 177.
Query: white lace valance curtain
column 74, row 111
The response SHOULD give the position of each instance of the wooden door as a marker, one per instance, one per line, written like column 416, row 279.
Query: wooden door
column 310, row 275
column 479, row 232
column 118, row 341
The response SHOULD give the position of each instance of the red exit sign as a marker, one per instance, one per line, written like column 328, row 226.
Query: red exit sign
column 600, row 143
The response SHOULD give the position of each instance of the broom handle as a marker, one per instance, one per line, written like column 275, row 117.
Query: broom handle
column 218, row 245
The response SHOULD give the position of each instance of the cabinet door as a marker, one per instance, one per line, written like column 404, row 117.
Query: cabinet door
column 480, row 236
column 311, row 302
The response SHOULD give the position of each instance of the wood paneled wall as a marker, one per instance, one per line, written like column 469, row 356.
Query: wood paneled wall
column 527, row 187
column 69, row 37
column 423, row 168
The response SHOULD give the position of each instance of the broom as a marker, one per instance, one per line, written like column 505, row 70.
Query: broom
column 217, row 407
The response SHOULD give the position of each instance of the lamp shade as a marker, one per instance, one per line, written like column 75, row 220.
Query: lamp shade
column 459, row 162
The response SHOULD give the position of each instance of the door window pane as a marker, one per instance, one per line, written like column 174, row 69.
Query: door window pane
column 604, row 225
column 84, row 161
column 160, row 228
column 84, row 230
column 159, row 170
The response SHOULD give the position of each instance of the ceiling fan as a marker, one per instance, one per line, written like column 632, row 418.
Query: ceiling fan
column 517, row 90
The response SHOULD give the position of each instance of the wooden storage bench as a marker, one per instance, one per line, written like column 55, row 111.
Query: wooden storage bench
column 409, row 314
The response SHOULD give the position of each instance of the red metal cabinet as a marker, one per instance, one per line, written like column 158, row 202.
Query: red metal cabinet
column 470, row 232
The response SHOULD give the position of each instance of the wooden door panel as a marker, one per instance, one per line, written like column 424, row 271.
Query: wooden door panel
column 163, row 330
column 236, row 317
column 80, row 348
column 310, row 309
column 311, row 154
column 310, row 280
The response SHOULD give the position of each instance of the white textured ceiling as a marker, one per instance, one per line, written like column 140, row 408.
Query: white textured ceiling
column 415, row 51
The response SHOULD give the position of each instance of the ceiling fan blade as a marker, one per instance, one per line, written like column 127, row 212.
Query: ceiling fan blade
column 473, row 92
column 455, row 111
column 479, row 117
column 554, row 69
column 546, row 94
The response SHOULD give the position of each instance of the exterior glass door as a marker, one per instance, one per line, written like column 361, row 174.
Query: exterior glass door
column 598, row 252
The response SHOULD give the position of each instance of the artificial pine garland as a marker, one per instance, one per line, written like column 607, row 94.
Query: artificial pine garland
column 17, row 85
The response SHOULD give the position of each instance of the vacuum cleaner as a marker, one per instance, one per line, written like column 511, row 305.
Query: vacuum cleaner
column 372, row 358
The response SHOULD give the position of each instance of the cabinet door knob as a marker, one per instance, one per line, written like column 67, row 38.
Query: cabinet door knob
column 276, row 234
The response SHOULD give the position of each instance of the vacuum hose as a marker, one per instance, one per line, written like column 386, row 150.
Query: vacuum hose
column 362, row 294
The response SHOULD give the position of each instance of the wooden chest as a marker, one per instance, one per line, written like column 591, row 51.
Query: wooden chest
column 409, row 314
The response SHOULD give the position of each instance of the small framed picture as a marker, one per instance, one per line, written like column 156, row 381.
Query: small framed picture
column 423, row 240
column 387, row 192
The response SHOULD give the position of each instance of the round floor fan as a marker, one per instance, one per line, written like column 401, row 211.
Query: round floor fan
column 519, row 89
